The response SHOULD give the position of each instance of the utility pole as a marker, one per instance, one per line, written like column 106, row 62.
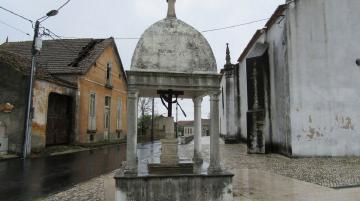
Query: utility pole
column 36, row 47
column 29, row 108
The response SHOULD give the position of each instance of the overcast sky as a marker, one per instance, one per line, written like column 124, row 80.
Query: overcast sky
column 129, row 19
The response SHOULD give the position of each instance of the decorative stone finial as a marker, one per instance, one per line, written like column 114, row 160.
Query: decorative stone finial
column 171, row 9
column 228, row 58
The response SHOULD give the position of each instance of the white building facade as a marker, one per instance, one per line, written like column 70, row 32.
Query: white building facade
column 229, row 108
column 298, row 80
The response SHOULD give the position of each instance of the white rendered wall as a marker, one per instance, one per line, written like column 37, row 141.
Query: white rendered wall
column 280, row 136
column 324, row 38
column 231, row 119
column 222, row 106
column 277, row 135
column 243, row 100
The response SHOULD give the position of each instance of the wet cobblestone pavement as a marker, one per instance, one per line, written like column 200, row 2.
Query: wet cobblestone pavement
column 327, row 172
column 92, row 190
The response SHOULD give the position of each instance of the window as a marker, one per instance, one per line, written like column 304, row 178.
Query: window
column 118, row 114
column 92, row 112
column 108, row 73
column 107, row 112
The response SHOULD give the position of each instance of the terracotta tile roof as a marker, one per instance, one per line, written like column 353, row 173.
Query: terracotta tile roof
column 185, row 123
column 64, row 56
column 23, row 64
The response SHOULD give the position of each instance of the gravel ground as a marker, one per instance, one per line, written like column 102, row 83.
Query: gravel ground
column 327, row 172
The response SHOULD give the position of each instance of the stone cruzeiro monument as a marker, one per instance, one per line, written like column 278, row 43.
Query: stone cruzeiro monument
column 171, row 60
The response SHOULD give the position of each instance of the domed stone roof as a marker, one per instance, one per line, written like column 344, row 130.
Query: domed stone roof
column 171, row 45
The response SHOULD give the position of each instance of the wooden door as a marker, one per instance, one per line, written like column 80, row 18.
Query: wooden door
column 58, row 120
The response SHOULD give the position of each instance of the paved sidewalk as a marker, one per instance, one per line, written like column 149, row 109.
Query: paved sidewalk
column 257, row 178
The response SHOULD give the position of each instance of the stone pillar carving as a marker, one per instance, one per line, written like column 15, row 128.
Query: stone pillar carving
column 197, row 127
column 214, row 166
column 132, row 103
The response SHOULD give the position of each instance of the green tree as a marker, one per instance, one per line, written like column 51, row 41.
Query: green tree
column 144, row 120
column 144, row 123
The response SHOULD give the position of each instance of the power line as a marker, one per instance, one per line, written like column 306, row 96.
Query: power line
column 63, row 5
column 205, row 31
column 12, row 12
column 17, row 29
column 234, row 26
column 125, row 38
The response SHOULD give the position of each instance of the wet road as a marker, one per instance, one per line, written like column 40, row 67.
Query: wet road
column 23, row 180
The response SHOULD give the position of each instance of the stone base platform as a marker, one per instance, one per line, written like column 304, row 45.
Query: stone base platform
column 182, row 187
column 180, row 168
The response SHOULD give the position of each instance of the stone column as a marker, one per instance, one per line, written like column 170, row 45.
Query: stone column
column 214, row 166
column 132, row 103
column 197, row 127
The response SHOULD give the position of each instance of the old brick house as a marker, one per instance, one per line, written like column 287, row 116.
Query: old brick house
column 87, row 103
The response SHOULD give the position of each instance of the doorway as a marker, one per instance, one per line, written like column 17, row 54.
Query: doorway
column 258, row 115
column 59, row 120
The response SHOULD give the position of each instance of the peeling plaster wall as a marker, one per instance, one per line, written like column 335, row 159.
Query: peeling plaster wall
column 13, row 86
column 42, row 90
column 324, row 78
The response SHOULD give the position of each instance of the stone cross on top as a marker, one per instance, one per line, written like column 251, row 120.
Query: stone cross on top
column 171, row 9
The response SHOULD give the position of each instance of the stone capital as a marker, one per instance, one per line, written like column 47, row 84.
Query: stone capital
column 197, row 101
column 214, row 95
column 133, row 94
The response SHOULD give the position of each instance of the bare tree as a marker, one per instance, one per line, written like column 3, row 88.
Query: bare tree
column 144, row 106
column 144, row 110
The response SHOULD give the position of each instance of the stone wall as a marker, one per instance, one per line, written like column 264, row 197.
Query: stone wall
column 171, row 188
column 42, row 90
column 13, row 89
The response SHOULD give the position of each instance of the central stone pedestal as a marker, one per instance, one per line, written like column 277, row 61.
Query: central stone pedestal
column 169, row 159
column 188, row 187
column 169, row 151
